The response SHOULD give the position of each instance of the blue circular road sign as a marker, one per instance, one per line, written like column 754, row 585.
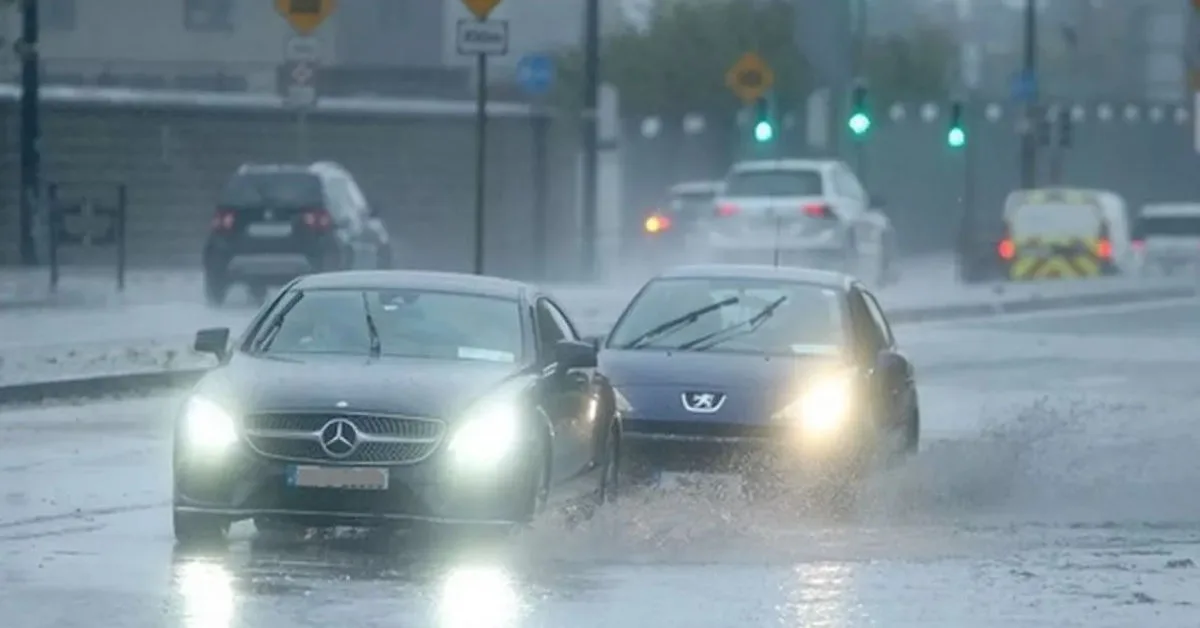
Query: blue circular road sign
column 535, row 73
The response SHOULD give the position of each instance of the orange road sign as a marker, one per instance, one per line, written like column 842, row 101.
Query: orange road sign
column 305, row 16
column 750, row 77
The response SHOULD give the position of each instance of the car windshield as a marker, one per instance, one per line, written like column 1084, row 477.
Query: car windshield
column 774, row 183
column 407, row 323
column 732, row 315
column 299, row 190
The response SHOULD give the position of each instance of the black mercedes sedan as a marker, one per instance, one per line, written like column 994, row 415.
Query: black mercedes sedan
column 727, row 363
column 384, row 398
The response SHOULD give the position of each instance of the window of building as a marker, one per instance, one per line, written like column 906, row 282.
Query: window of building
column 58, row 15
column 208, row 15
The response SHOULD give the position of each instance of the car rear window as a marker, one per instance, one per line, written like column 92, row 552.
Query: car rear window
column 1056, row 220
column 297, row 190
column 1182, row 226
column 774, row 183
column 693, row 203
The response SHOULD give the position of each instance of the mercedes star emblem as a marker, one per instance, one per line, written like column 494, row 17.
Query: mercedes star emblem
column 339, row 438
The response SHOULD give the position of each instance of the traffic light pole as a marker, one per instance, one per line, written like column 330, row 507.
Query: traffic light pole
column 31, row 160
column 1029, row 147
column 590, row 140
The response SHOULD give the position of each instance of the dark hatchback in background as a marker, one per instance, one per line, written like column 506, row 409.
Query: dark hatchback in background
column 384, row 399
column 274, row 223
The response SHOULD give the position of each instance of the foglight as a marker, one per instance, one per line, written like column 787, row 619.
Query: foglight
column 825, row 405
column 207, row 426
column 487, row 435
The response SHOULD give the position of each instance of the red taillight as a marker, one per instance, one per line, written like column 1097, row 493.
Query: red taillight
column 1104, row 249
column 817, row 210
column 657, row 223
column 317, row 219
column 1006, row 249
column 727, row 209
column 223, row 220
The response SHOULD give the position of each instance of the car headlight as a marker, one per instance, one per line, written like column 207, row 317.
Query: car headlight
column 207, row 426
column 489, row 433
column 825, row 405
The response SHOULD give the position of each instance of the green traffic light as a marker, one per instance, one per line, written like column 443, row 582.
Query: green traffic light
column 956, row 137
column 763, row 131
column 860, row 123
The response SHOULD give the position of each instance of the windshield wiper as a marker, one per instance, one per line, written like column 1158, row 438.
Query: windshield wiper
column 677, row 322
column 376, row 345
column 268, row 334
column 741, row 328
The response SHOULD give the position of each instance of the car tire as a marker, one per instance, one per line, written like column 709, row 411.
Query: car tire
column 610, row 476
column 198, row 528
column 216, row 289
column 538, row 489
column 912, row 434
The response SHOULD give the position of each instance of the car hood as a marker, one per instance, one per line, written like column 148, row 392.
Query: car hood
column 651, row 384
column 410, row 386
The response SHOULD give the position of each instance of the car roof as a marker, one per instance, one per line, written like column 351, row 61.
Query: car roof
column 318, row 167
column 1155, row 210
column 415, row 280
column 766, row 165
column 696, row 187
column 823, row 278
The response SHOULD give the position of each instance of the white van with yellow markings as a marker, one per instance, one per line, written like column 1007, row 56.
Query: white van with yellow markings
column 1065, row 233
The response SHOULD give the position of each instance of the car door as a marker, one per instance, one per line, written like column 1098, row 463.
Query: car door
column 349, row 223
column 898, row 387
column 566, row 395
column 370, row 237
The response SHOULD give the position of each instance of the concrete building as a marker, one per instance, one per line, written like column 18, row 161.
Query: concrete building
column 240, row 43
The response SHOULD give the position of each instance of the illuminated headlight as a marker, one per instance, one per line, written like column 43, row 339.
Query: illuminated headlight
column 207, row 426
column 825, row 405
column 488, row 434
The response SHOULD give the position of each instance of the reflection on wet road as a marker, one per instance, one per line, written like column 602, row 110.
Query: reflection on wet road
column 1050, row 493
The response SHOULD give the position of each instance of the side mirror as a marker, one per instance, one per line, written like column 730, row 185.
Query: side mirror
column 891, row 366
column 214, row 341
column 571, row 354
column 595, row 340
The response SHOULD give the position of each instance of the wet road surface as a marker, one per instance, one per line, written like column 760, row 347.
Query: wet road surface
column 1056, row 487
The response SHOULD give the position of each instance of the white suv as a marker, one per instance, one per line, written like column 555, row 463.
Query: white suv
column 801, row 212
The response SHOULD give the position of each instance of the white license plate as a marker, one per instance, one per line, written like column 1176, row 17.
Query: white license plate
column 356, row 478
column 269, row 229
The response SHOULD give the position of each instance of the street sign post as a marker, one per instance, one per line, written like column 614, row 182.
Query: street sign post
column 298, row 87
column 750, row 78
column 304, row 16
column 302, row 48
column 300, row 84
column 481, row 38
column 481, row 9
column 535, row 73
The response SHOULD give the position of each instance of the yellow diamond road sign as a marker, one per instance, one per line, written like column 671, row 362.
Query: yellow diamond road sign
column 481, row 8
column 305, row 15
column 750, row 77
